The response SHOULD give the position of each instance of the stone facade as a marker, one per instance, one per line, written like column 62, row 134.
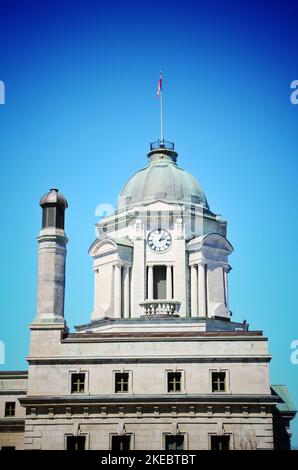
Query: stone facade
column 13, row 387
column 161, row 365
column 148, row 412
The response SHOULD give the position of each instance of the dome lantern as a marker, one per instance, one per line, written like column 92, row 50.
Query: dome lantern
column 162, row 150
column 53, row 209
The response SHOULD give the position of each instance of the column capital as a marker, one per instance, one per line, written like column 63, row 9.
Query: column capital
column 118, row 264
column 202, row 263
column 126, row 266
column 227, row 268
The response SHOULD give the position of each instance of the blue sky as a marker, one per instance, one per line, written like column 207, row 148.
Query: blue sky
column 81, row 110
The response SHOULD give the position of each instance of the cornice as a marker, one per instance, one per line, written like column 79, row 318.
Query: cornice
column 139, row 399
column 33, row 360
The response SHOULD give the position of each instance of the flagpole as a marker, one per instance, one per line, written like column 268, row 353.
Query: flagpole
column 161, row 115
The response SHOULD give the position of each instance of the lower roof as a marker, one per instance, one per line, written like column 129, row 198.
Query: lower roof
column 285, row 403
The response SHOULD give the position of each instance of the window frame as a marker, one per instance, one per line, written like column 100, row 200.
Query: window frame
column 76, row 372
column 129, row 435
column 227, row 380
column 83, row 434
column 185, row 439
column 182, row 382
column 6, row 408
column 175, row 436
column 226, row 434
column 129, row 381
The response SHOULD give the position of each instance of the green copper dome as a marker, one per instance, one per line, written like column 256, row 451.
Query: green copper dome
column 163, row 180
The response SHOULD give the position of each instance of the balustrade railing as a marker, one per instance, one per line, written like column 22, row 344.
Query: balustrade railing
column 160, row 307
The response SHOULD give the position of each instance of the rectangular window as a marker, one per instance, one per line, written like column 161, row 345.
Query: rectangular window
column 220, row 442
column 159, row 282
column 121, row 382
column 77, row 383
column 10, row 408
column 218, row 381
column 174, row 442
column 75, row 442
column 120, row 443
column 174, row 381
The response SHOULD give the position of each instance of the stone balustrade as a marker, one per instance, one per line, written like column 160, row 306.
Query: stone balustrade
column 160, row 307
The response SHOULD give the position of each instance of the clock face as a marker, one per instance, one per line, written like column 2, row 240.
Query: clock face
column 159, row 240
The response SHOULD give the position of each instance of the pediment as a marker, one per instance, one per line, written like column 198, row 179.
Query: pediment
column 100, row 247
column 211, row 240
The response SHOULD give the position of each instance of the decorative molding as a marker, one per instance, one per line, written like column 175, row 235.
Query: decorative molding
column 171, row 400
column 152, row 360
column 68, row 412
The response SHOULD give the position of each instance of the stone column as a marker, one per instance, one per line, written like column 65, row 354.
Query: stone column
column 150, row 282
column 138, row 269
column 126, row 287
column 117, row 291
column 52, row 242
column 202, row 290
column 226, row 286
column 51, row 276
column 169, row 282
column 194, row 290
column 180, row 281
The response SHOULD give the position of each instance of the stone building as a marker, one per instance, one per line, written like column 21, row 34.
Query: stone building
column 161, row 365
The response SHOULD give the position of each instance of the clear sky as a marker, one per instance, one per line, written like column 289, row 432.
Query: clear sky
column 80, row 112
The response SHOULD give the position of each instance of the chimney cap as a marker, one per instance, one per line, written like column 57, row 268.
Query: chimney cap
column 53, row 198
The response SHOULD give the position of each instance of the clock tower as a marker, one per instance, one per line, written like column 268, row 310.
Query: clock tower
column 163, row 251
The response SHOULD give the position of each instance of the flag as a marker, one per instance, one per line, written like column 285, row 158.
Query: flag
column 159, row 86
